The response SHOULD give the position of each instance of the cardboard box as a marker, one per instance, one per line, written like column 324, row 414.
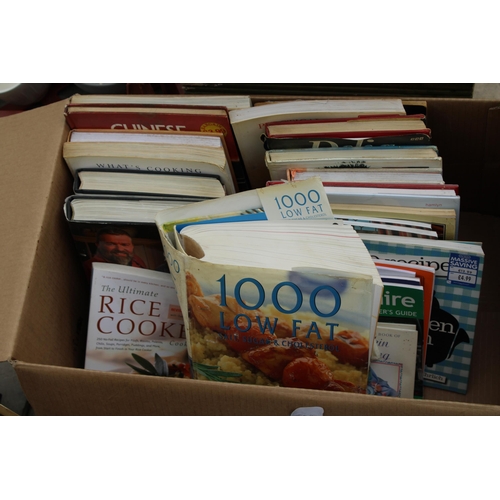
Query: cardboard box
column 44, row 295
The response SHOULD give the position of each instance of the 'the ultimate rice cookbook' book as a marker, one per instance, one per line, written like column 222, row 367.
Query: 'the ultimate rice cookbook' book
column 135, row 323
column 268, row 302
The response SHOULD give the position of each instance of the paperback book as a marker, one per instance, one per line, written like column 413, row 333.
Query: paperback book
column 135, row 323
column 283, row 312
column 393, row 373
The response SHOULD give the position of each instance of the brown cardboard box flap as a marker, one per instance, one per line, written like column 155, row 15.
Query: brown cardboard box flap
column 32, row 190
column 81, row 392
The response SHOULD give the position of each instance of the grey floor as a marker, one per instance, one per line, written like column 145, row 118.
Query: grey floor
column 12, row 400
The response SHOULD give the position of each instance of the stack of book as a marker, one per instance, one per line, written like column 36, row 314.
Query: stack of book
column 372, row 165
column 155, row 113
column 132, row 156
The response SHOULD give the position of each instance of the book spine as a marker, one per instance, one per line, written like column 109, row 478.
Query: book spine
column 271, row 143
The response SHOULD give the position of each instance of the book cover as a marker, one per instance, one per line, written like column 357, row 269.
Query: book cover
column 393, row 374
column 458, row 273
column 135, row 323
column 128, row 244
column 273, row 326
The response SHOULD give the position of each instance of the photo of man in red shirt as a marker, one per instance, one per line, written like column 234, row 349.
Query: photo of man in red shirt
column 114, row 245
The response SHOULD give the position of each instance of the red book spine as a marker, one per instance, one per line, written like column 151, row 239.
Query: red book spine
column 135, row 120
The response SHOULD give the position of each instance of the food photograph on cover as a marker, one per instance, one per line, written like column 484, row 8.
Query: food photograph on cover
column 279, row 328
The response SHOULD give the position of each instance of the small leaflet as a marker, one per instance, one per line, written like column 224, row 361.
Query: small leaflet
column 298, row 200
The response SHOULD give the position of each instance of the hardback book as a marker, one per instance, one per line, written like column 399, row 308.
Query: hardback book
column 228, row 101
column 144, row 183
column 128, row 244
column 458, row 274
column 170, row 158
column 278, row 162
column 393, row 373
column 364, row 126
column 249, row 124
column 157, row 118
column 283, row 312
column 117, row 229
column 405, row 140
column 135, row 323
